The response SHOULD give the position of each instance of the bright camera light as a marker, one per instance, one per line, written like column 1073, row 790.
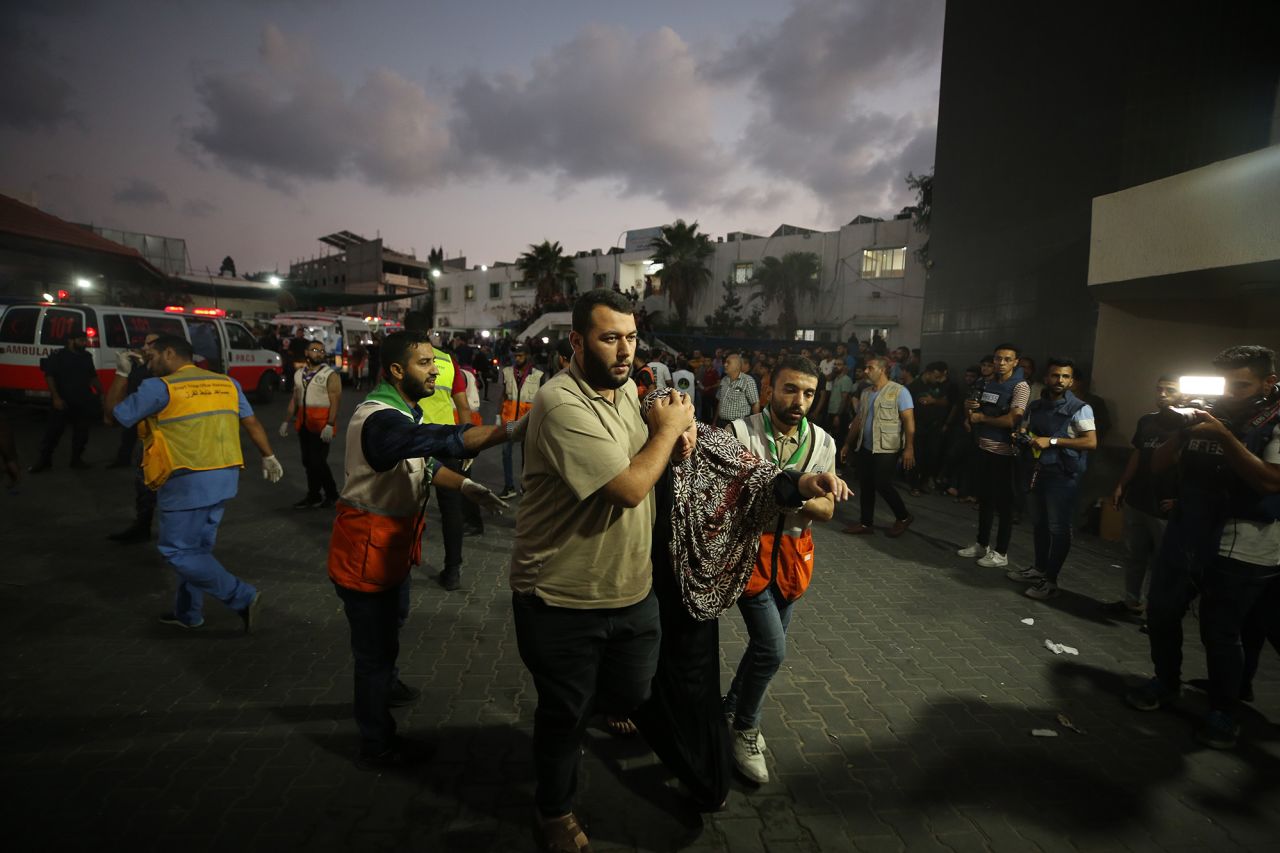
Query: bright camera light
column 546, row 340
column 83, row 283
column 484, row 333
column 1202, row 386
column 273, row 280
column 48, row 297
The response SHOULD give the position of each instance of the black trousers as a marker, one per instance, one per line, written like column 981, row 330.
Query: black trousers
column 375, row 645
column 1239, row 608
column 128, row 440
column 929, row 455
column 315, row 460
column 994, row 481
column 581, row 660
column 875, row 476
column 455, row 512
column 79, row 416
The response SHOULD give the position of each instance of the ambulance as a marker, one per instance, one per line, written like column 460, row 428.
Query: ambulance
column 338, row 332
column 29, row 332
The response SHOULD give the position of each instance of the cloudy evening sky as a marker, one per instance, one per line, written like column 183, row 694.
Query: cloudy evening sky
column 252, row 128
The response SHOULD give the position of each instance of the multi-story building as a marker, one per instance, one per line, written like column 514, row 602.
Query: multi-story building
column 870, row 279
column 361, row 265
column 1100, row 181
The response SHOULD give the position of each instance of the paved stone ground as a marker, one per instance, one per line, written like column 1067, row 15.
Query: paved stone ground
column 900, row 722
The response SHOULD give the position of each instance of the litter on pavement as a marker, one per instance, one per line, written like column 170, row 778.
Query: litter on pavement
column 1059, row 648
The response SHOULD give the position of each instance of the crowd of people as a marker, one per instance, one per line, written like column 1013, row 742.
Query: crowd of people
column 658, row 490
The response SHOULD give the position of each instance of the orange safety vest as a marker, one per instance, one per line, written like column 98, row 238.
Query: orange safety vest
column 785, row 557
column 517, row 402
column 644, row 381
column 312, row 399
column 377, row 533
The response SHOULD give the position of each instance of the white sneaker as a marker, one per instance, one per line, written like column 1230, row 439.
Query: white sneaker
column 974, row 550
column 747, row 755
column 728, row 721
column 994, row 560
column 1028, row 575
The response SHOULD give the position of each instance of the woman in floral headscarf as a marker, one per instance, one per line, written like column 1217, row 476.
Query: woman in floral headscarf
column 712, row 505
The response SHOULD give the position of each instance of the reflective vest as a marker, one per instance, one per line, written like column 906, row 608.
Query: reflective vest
column 886, row 422
column 313, row 397
column 439, row 407
column 377, row 533
column 199, row 429
column 786, row 554
column 473, row 396
column 516, row 402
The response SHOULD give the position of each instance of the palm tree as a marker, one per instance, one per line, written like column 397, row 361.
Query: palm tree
column 783, row 281
column 683, row 253
column 546, row 266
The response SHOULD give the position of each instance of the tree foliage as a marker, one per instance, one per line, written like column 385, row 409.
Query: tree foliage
column 921, row 211
column 728, row 319
column 546, row 267
column 784, row 281
column 683, row 253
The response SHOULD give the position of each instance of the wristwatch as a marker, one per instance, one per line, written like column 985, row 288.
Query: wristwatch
column 1053, row 442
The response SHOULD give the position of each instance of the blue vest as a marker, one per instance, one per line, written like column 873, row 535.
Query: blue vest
column 1051, row 419
column 995, row 404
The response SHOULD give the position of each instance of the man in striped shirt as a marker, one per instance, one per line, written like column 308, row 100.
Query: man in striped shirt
column 993, row 417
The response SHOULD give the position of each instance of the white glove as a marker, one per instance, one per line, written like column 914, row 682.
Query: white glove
column 125, row 361
column 326, row 434
column 482, row 495
column 284, row 430
column 272, row 469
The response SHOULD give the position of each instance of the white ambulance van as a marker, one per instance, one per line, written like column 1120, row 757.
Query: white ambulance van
column 29, row 332
column 338, row 332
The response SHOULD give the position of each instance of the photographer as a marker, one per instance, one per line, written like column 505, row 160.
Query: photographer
column 1227, row 540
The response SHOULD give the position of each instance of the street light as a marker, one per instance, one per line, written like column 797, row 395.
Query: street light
column 484, row 268
column 435, row 273
column 273, row 280
column 83, row 283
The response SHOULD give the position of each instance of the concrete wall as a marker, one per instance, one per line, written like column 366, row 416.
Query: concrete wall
column 1224, row 214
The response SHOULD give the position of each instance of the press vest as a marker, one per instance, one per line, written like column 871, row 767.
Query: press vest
column 439, row 407
column 786, row 553
column 313, row 410
column 377, row 533
column 518, row 401
column 1051, row 419
column 994, row 401
column 886, row 422
column 198, row 430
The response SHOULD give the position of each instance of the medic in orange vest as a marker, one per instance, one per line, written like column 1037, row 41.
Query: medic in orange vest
column 377, row 533
column 782, row 434
column 313, row 410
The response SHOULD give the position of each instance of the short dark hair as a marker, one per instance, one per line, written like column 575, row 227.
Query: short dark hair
column 987, row 359
column 882, row 360
column 1056, row 361
column 798, row 363
column 1167, row 377
column 397, row 346
column 564, row 349
column 1259, row 360
column 1013, row 348
column 181, row 346
column 1051, row 361
column 937, row 365
column 587, row 302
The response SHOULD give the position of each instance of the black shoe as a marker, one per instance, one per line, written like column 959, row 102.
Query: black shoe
column 308, row 503
column 472, row 530
column 449, row 579
column 250, row 614
column 136, row 532
column 80, row 464
column 508, row 493
column 402, row 694
column 170, row 619
column 327, row 503
column 403, row 755
column 39, row 467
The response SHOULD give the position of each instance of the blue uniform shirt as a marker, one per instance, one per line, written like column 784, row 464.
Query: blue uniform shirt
column 184, row 489
column 868, row 422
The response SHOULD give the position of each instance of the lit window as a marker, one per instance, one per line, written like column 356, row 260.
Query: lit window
column 804, row 334
column 742, row 273
column 469, row 292
column 884, row 263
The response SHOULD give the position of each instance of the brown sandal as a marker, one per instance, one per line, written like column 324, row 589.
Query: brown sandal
column 620, row 726
column 562, row 835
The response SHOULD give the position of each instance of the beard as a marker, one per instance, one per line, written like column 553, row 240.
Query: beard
column 790, row 417
column 599, row 372
column 415, row 389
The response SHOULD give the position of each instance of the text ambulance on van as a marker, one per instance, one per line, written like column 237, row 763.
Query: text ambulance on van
column 31, row 332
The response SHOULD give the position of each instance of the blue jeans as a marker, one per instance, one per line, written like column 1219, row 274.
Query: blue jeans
column 1052, row 503
column 767, row 616
column 508, row 472
column 1238, row 605
column 186, row 542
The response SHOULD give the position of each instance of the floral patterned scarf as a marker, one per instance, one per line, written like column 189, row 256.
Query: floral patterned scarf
column 723, row 499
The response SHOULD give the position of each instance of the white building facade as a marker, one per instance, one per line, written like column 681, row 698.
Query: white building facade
column 871, row 280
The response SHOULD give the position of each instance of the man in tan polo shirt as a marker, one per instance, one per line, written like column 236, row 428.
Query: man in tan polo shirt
column 585, row 614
